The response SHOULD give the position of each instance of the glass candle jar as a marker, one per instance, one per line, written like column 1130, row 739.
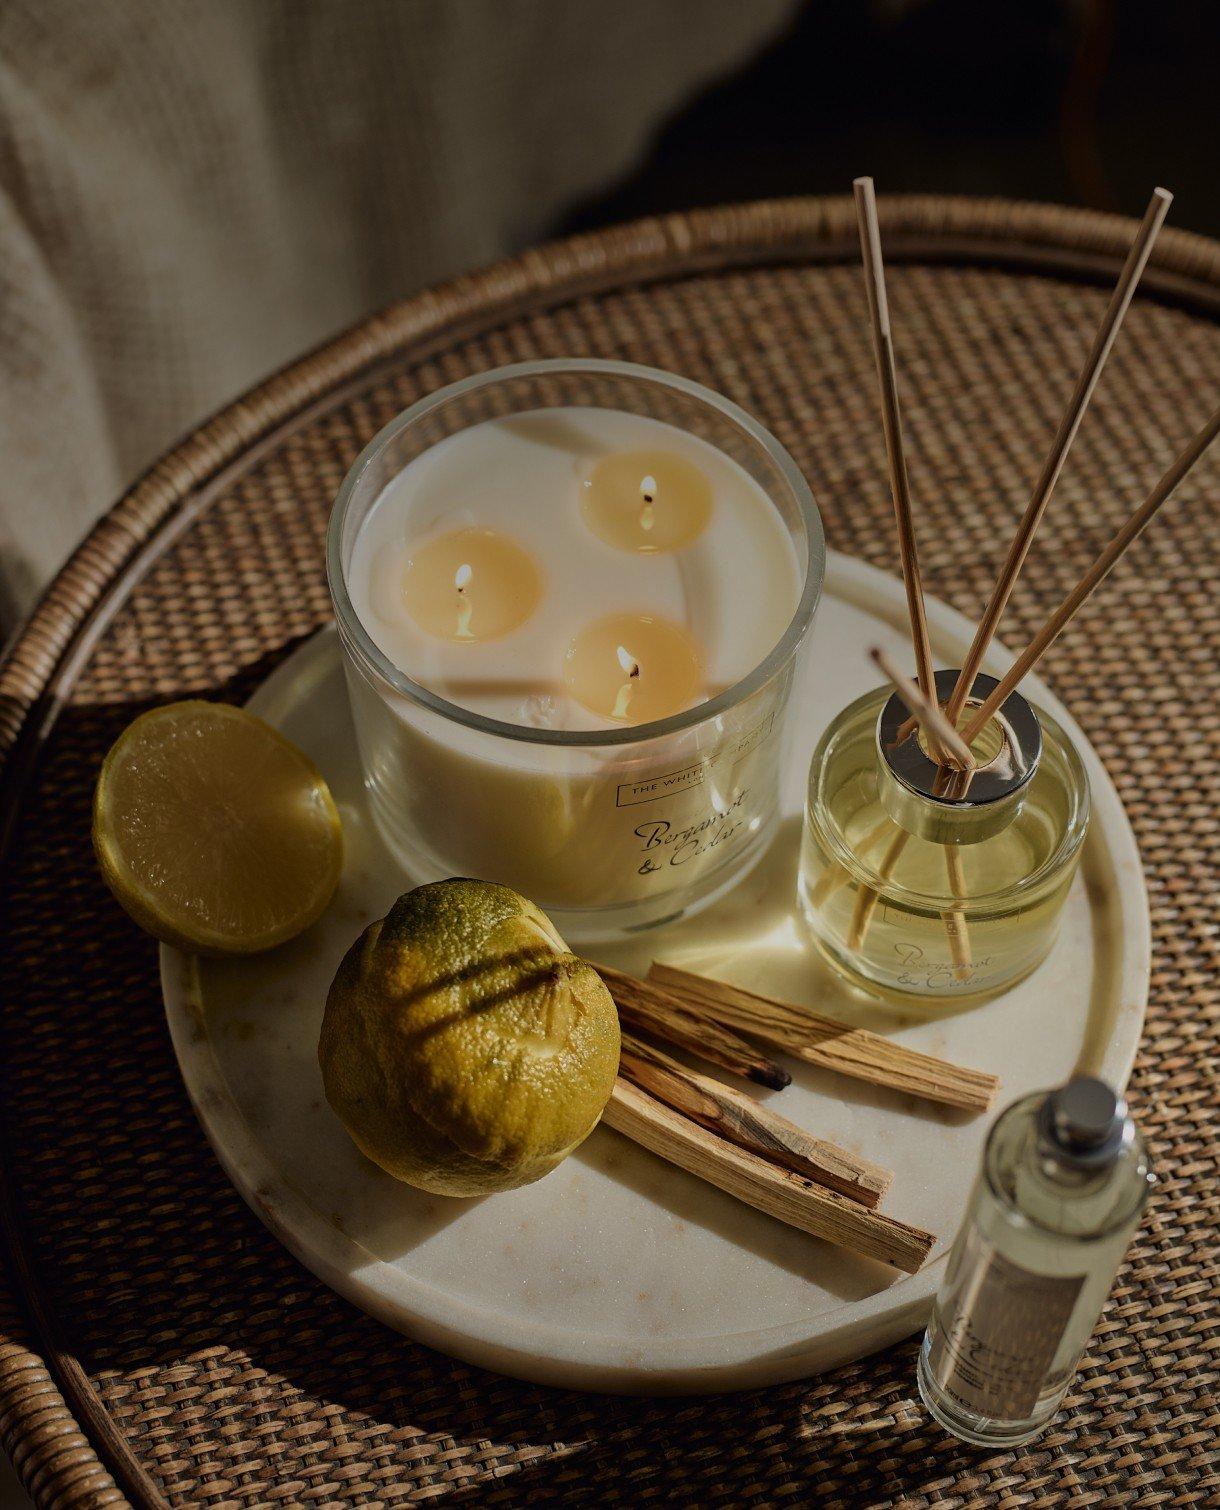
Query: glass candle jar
column 915, row 884
column 608, row 822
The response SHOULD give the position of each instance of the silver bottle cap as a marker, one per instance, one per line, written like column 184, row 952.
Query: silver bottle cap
column 1083, row 1123
column 940, row 805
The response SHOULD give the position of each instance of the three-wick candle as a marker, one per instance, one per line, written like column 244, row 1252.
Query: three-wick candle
column 560, row 572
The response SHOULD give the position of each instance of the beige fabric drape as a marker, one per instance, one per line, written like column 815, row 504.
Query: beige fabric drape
column 194, row 191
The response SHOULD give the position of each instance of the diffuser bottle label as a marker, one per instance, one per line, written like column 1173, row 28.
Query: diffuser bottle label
column 998, row 1336
column 922, row 969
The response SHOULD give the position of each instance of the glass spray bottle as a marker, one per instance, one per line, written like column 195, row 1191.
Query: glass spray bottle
column 914, row 883
column 1063, row 1184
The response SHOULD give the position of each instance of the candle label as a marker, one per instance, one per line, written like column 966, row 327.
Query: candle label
column 665, row 843
column 631, row 793
column 687, row 828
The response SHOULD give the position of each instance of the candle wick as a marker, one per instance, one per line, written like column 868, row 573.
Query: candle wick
column 465, row 607
column 632, row 669
column 648, row 489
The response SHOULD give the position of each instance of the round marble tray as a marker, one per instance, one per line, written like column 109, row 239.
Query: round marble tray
column 617, row 1271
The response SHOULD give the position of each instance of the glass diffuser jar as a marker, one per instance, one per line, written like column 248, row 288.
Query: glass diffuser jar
column 913, row 886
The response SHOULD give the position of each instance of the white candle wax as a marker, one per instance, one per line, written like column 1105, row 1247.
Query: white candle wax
column 733, row 588
column 574, row 828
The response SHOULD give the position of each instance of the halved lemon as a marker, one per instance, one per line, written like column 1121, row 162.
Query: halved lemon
column 214, row 831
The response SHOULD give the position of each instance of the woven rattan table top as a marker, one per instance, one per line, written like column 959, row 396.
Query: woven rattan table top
column 156, row 1342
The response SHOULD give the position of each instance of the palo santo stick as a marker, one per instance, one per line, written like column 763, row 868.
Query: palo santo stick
column 650, row 1009
column 1096, row 574
column 1124, row 290
column 779, row 1192
column 891, row 417
column 935, row 725
column 750, row 1125
column 831, row 1044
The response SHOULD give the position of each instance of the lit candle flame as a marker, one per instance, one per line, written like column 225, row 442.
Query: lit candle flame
column 631, row 669
column 461, row 580
column 648, row 493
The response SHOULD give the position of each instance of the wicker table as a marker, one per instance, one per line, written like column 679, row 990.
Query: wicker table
column 158, row 1343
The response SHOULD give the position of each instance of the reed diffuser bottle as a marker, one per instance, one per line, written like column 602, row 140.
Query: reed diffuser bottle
column 917, row 881
column 1062, row 1187
column 939, row 849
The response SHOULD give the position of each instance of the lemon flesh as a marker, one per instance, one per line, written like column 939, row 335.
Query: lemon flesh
column 213, row 831
column 464, row 1047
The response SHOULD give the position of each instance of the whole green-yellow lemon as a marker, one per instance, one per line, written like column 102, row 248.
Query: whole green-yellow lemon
column 465, row 1048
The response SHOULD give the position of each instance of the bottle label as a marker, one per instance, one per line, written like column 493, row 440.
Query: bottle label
column 1000, row 1327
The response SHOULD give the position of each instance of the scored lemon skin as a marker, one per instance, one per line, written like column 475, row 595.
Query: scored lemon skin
column 213, row 831
column 464, row 1047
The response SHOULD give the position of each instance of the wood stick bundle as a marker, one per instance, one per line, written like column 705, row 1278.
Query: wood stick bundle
column 745, row 1147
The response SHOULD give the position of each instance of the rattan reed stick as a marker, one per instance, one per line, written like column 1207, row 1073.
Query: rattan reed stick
column 868, row 896
column 1095, row 575
column 1103, row 341
column 891, row 415
column 837, row 875
column 952, row 744
column 956, row 927
column 940, row 732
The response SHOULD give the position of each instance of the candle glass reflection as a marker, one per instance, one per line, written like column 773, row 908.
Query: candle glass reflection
column 616, row 791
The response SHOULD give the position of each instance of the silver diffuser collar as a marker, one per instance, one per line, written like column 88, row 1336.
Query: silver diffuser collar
column 1006, row 773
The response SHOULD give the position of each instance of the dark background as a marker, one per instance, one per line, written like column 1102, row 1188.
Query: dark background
column 1087, row 102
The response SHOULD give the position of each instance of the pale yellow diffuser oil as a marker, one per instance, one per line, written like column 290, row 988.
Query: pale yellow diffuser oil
column 912, row 891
